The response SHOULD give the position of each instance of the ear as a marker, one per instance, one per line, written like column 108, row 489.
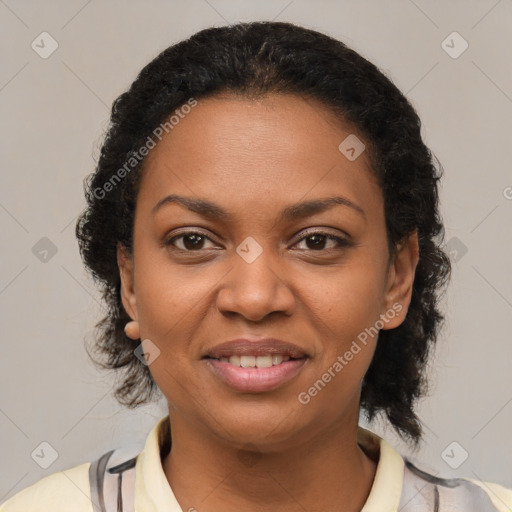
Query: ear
column 400, row 280
column 126, row 272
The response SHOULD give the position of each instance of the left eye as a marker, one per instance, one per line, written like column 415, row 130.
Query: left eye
column 319, row 239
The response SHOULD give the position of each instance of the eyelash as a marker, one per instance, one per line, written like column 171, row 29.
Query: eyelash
column 341, row 242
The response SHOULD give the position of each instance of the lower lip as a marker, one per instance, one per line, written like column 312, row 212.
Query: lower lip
column 256, row 380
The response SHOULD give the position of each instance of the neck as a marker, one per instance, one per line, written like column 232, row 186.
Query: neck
column 328, row 471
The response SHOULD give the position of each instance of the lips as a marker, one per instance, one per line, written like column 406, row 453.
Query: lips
column 256, row 347
column 256, row 380
column 256, row 365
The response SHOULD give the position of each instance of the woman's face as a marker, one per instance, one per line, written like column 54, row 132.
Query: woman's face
column 265, row 268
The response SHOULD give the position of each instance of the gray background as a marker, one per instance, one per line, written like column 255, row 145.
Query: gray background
column 53, row 115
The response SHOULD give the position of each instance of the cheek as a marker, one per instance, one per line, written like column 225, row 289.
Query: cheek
column 168, row 294
column 171, row 305
column 168, row 304
column 347, row 299
column 344, row 312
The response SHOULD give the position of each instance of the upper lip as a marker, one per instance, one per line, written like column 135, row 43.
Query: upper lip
column 255, row 347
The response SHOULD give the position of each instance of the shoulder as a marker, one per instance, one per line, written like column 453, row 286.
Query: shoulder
column 499, row 495
column 62, row 491
column 424, row 491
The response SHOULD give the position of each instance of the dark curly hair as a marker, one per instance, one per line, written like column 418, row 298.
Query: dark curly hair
column 253, row 59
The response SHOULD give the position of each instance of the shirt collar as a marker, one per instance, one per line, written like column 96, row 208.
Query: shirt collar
column 387, row 485
column 154, row 494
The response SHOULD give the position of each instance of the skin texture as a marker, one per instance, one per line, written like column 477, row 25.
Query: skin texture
column 253, row 451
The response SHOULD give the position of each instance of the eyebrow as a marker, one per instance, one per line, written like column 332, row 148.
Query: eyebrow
column 293, row 212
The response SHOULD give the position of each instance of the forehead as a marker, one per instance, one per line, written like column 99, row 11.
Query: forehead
column 279, row 148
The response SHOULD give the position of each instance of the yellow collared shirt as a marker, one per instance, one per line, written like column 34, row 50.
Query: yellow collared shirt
column 398, row 486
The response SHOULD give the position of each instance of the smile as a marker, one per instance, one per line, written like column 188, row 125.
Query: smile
column 262, row 361
column 253, row 374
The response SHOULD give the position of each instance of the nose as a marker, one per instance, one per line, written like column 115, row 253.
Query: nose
column 256, row 289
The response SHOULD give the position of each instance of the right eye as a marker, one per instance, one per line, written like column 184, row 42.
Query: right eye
column 191, row 241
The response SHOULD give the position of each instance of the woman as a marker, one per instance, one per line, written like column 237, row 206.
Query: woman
column 264, row 224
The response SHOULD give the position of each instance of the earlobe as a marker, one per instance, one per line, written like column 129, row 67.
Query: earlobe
column 125, row 265
column 401, row 279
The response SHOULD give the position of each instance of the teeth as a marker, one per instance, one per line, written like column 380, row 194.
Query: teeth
column 277, row 359
column 247, row 361
column 234, row 360
column 265, row 361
